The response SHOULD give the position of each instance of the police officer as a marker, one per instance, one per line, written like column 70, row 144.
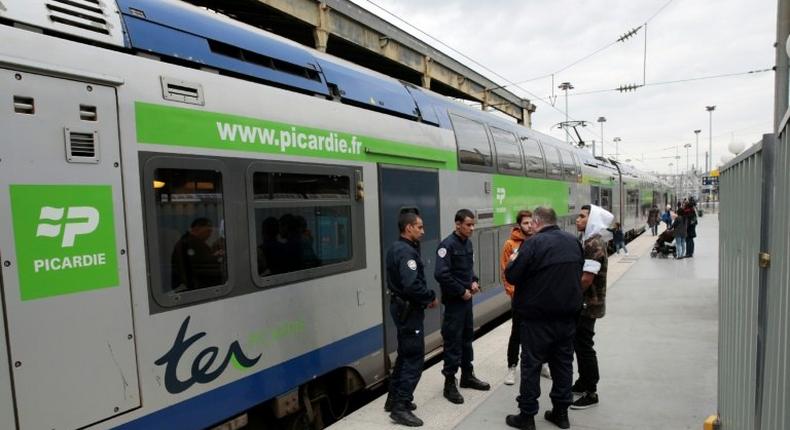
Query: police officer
column 546, row 273
column 456, row 277
column 409, row 297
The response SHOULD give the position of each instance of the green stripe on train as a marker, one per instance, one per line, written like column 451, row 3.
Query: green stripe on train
column 512, row 194
column 166, row 125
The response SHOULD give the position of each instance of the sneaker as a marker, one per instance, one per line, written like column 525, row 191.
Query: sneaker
column 510, row 379
column 558, row 417
column 544, row 371
column 521, row 421
column 588, row 400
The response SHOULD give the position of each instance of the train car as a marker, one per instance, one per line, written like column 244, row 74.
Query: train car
column 198, row 209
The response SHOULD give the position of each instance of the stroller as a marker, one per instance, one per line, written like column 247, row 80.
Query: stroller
column 663, row 247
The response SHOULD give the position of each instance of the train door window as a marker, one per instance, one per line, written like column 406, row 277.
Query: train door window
column 606, row 198
column 533, row 156
column 186, row 230
column 595, row 196
column 508, row 154
column 568, row 165
column 553, row 162
column 306, row 222
column 474, row 149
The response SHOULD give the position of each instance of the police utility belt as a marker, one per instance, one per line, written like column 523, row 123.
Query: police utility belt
column 405, row 307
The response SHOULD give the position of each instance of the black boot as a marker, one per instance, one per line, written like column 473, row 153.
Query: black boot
column 388, row 405
column 405, row 417
column 451, row 391
column 559, row 417
column 469, row 380
column 521, row 421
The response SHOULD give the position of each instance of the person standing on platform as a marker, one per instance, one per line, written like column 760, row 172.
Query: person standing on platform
column 691, row 227
column 592, row 220
column 410, row 296
column 518, row 235
column 666, row 217
column 547, row 273
column 456, row 277
column 679, row 227
column 652, row 219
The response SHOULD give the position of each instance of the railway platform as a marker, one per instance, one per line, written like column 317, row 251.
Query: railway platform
column 657, row 351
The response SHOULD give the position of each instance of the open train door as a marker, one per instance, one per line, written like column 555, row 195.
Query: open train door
column 66, row 295
column 410, row 188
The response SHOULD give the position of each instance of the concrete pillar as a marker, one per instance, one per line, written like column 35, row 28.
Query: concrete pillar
column 321, row 32
column 426, row 72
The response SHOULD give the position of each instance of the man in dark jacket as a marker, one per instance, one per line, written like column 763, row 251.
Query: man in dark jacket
column 690, row 213
column 652, row 219
column 410, row 295
column 547, row 273
column 457, row 279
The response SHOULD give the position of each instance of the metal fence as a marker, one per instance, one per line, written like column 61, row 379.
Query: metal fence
column 754, row 297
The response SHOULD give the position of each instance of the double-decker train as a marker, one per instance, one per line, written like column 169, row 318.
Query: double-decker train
column 196, row 212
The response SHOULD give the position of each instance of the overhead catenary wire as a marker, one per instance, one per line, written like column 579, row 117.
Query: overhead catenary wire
column 676, row 81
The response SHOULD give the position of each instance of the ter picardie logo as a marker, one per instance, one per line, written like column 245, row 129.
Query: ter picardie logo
column 65, row 239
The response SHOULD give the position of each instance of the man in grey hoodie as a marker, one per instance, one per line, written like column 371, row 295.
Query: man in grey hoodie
column 592, row 220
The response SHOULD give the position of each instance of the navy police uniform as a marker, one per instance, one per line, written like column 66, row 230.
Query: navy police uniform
column 547, row 275
column 455, row 274
column 409, row 297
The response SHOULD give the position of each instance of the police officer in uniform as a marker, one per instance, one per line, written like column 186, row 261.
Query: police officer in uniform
column 546, row 272
column 409, row 296
column 456, row 277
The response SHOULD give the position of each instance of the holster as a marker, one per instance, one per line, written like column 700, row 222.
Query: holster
column 404, row 306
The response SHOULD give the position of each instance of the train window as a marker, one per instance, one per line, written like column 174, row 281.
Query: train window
column 508, row 154
column 553, row 162
column 568, row 165
column 606, row 198
column 533, row 157
column 474, row 149
column 188, row 235
column 303, row 222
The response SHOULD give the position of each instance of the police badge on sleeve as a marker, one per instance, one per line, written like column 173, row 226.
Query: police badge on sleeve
column 411, row 264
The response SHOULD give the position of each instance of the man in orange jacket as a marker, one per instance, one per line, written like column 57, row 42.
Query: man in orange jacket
column 519, row 234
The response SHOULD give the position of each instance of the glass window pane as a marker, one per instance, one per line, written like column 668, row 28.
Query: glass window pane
column 507, row 153
column 190, row 222
column 473, row 145
column 567, row 165
column 553, row 162
column 533, row 157
column 300, row 186
column 292, row 239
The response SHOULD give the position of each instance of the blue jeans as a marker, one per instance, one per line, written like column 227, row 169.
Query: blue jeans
column 618, row 245
column 680, row 247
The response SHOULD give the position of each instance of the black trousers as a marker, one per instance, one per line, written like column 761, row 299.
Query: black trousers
column 689, row 246
column 541, row 342
column 514, row 342
column 411, row 354
column 586, row 358
column 457, row 333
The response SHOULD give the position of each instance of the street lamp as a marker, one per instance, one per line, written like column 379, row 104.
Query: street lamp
column 565, row 86
column 687, row 146
column 710, row 110
column 616, row 141
column 696, row 134
column 601, row 119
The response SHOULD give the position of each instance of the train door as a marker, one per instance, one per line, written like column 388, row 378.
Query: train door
column 595, row 195
column 65, row 274
column 406, row 188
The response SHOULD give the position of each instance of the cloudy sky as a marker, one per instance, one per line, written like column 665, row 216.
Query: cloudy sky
column 525, row 39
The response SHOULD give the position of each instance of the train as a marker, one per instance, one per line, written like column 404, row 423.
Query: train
column 197, row 212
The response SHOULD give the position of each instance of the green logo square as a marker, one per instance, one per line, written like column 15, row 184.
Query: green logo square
column 65, row 239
